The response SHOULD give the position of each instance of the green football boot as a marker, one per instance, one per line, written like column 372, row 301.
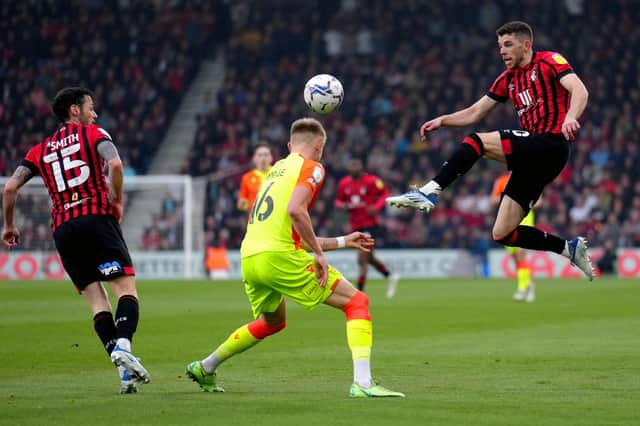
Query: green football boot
column 374, row 391
column 206, row 381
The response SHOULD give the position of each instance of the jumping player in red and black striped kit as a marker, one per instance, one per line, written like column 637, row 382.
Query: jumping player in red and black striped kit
column 549, row 98
column 85, row 222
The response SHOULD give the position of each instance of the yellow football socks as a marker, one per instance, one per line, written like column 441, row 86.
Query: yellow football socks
column 524, row 275
column 359, row 338
column 239, row 341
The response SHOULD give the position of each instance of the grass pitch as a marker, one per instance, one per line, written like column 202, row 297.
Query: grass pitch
column 461, row 350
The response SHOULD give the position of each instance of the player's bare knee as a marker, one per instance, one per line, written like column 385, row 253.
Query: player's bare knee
column 492, row 144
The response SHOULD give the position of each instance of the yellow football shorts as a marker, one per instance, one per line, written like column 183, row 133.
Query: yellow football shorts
column 270, row 276
column 527, row 221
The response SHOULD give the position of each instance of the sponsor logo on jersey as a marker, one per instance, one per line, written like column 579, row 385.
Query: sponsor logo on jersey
column 318, row 173
column 559, row 59
column 67, row 206
column 109, row 268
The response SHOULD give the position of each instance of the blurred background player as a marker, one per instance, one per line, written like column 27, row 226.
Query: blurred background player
column 216, row 258
column 252, row 180
column 85, row 222
column 275, row 263
column 363, row 196
column 526, row 287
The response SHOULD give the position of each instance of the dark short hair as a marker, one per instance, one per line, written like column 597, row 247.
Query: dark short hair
column 517, row 28
column 67, row 97
column 259, row 145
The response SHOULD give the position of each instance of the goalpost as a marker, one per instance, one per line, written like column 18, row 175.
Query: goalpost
column 159, row 225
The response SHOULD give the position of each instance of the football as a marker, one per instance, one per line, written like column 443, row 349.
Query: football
column 323, row 93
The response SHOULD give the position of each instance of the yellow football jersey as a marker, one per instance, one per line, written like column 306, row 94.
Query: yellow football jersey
column 269, row 227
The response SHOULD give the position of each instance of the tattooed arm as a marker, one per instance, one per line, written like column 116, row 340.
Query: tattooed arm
column 10, row 234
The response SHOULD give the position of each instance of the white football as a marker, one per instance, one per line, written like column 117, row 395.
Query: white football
column 323, row 93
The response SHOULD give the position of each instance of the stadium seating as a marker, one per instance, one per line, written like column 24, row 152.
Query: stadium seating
column 138, row 59
column 400, row 65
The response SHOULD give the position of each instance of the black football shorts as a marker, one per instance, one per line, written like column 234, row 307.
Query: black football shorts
column 534, row 160
column 92, row 249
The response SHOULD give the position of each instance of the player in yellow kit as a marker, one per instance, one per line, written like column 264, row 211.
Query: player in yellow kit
column 275, row 264
column 526, row 287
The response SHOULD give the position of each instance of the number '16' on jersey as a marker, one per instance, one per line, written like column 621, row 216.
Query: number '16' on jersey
column 270, row 228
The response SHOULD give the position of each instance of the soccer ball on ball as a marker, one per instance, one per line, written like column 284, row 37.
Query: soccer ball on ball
column 323, row 93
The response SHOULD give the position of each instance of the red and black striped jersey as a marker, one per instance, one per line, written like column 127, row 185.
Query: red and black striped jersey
column 536, row 93
column 72, row 171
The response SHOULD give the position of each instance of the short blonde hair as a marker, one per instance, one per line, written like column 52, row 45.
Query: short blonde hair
column 308, row 125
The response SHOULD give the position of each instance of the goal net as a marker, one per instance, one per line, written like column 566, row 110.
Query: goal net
column 160, row 217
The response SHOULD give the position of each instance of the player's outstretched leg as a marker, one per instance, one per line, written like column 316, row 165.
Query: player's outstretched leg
column 528, row 237
column 204, row 372
column 355, row 305
column 425, row 198
column 577, row 251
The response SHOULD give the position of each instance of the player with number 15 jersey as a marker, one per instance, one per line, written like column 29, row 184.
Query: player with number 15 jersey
column 85, row 214
column 72, row 171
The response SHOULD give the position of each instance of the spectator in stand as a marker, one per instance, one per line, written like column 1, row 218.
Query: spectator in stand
column 607, row 264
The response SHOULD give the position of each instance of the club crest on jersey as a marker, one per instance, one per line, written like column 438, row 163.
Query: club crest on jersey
column 109, row 268
column 318, row 173
column 533, row 75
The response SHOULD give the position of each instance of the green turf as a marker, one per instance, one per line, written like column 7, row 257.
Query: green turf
column 461, row 350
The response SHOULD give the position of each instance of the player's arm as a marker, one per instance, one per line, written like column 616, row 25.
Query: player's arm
column 299, row 214
column 356, row 240
column 10, row 233
column 577, row 104
column 108, row 151
column 242, row 204
column 462, row 118
column 243, row 197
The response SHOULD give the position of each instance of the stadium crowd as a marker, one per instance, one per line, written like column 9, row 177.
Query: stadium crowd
column 137, row 56
column 400, row 63
column 399, row 69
